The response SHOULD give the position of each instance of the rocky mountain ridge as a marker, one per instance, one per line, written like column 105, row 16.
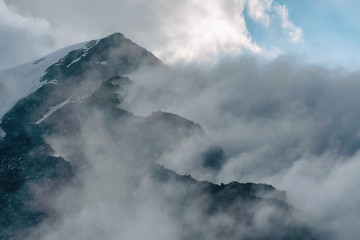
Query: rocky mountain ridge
column 75, row 121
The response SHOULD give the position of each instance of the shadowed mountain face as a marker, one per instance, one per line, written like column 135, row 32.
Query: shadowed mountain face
column 71, row 149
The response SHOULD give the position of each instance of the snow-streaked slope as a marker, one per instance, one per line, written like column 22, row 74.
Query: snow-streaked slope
column 53, row 109
column 20, row 81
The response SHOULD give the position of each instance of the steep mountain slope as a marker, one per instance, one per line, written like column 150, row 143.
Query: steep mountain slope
column 20, row 81
column 71, row 149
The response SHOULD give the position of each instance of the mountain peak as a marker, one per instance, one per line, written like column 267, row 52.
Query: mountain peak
column 116, row 35
column 115, row 39
column 113, row 55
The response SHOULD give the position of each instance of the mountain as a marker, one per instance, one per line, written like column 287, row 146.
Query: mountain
column 74, row 164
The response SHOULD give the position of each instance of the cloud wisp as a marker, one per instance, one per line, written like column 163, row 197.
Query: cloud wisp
column 294, row 33
column 258, row 10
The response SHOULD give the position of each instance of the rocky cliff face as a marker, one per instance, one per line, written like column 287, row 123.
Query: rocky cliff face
column 73, row 135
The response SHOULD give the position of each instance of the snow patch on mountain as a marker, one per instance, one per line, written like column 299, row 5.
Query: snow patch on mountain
column 2, row 134
column 54, row 81
column 53, row 109
column 20, row 81
column 72, row 99
column 86, row 48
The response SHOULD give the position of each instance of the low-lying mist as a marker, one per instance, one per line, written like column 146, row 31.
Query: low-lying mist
column 116, row 195
column 282, row 122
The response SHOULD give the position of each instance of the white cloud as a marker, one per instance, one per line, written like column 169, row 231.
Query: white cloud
column 294, row 33
column 258, row 10
column 208, row 30
column 326, row 192
column 176, row 31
